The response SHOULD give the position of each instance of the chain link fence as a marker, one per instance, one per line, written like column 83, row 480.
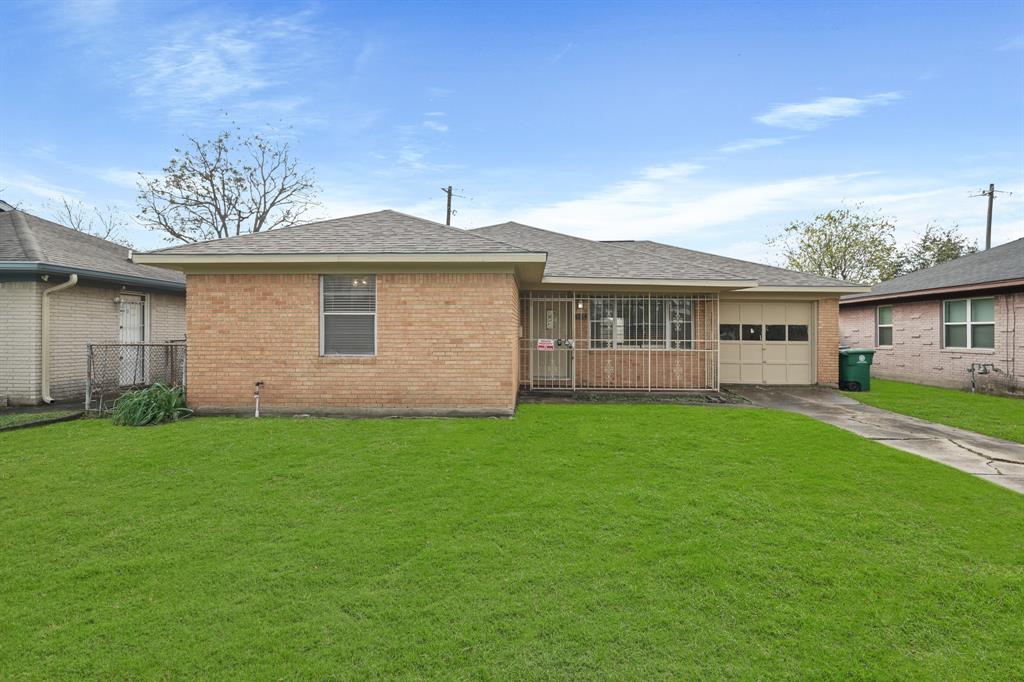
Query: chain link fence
column 115, row 368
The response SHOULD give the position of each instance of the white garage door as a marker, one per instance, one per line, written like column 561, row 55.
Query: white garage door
column 766, row 343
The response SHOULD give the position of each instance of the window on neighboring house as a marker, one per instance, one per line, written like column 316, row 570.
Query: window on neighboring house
column 641, row 323
column 969, row 323
column 348, row 310
column 883, row 319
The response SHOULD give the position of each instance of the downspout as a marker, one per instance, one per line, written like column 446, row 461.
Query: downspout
column 45, row 334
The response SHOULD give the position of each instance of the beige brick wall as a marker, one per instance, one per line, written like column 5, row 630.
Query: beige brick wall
column 827, row 342
column 917, row 354
column 19, row 343
column 446, row 342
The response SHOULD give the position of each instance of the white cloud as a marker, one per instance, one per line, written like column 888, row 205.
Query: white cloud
column 566, row 49
column 1015, row 43
column 663, row 204
column 120, row 177
column 753, row 143
column 436, row 126
column 35, row 187
column 206, row 65
column 814, row 115
column 674, row 171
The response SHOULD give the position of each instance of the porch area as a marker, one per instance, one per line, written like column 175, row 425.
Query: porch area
column 587, row 341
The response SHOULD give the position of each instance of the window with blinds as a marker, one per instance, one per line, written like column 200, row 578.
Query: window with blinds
column 348, row 312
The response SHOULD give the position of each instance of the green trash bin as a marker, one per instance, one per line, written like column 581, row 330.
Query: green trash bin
column 855, row 368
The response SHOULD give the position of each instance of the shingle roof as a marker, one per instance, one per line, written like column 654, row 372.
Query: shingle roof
column 576, row 257
column 766, row 275
column 28, row 239
column 1005, row 262
column 383, row 232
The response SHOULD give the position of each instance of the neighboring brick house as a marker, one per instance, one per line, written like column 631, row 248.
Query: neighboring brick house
column 935, row 325
column 385, row 313
column 96, row 295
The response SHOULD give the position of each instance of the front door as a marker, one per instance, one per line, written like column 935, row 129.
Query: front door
column 131, row 358
column 551, row 343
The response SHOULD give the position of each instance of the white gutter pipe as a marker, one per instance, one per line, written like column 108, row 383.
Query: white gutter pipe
column 45, row 333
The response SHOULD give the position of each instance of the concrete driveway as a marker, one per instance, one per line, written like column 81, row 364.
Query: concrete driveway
column 999, row 461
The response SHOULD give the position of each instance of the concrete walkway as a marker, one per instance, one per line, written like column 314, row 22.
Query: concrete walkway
column 999, row 461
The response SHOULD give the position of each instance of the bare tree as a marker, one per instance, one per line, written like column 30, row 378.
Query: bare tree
column 230, row 185
column 107, row 223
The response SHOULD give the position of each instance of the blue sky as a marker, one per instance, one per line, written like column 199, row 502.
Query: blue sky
column 708, row 125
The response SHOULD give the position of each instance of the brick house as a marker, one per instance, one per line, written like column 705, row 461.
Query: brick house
column 935, row 325
column 386, row 313
column 61, row 289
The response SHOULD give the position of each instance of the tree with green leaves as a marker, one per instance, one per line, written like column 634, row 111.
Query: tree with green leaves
column 232, row 184
column 845, row 243
column 935, row 245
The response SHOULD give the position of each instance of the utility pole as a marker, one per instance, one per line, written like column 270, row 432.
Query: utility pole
column 449, row 213
column 991, row 194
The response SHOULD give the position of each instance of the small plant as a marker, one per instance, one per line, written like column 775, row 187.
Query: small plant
column 154, row 405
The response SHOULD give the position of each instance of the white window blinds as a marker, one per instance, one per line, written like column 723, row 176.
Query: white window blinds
column 348, row 305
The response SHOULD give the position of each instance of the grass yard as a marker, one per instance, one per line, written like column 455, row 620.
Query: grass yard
column 991, row 415
column 574, row 541
column 8, row 419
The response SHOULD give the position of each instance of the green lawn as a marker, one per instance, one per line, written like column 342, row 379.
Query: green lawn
column 18, row 418
column 574, row 541
column 991, row 415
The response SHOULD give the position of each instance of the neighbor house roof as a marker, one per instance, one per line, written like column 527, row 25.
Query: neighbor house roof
column 30, row 244
column 766, row 275
column 574, row 258
column 999, row 266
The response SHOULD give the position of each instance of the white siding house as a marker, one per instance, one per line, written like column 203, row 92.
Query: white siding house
column 109, row 299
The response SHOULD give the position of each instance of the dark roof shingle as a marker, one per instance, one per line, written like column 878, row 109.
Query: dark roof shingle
column 570, row 256
column 382, row 232
column 766, row 275
column 25, row 238
column 1005, row 262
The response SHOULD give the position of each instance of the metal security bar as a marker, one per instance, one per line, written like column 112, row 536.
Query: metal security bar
column 114, row 368
column 618, row 342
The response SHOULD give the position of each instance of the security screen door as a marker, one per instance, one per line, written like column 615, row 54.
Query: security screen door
column 132, row 314
column 552, row 343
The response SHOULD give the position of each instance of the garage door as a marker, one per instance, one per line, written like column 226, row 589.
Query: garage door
column 766, row 343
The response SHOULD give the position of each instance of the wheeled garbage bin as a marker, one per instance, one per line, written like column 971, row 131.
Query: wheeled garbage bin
column 855, row 368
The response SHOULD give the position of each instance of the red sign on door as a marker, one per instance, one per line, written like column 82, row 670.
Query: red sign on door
column 545, row 344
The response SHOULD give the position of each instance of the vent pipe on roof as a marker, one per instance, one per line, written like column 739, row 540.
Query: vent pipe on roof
column 45, row 334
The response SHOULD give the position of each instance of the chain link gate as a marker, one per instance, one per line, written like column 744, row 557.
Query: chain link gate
column 115, row 368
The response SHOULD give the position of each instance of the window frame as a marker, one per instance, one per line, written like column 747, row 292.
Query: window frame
column 889, row 326
column 968, row 323
column 323, row 325
column 619, row 338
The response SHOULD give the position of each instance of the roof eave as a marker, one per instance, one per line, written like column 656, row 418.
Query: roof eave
column 85, row 273
column 813, row 289
column 935, row 291
column 182, row 261
column 621, row 281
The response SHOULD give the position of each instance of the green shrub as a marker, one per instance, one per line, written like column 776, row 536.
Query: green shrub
column 154, row 405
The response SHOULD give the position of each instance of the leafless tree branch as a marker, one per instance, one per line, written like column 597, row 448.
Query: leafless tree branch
column 232, row 184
